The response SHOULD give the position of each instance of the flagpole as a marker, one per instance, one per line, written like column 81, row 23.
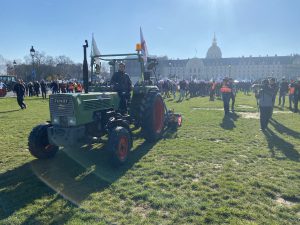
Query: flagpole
column 92, row 58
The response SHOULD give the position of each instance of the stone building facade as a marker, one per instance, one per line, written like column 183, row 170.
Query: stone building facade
column 213, row 66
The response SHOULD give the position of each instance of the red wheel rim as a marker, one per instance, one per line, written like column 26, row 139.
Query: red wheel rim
column 2, row 92
column 158, row 115
column 123, row 148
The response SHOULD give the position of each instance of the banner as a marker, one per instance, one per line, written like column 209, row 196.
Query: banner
column 144, row 46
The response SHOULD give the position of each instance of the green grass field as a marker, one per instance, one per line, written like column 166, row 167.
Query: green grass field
column 212, row 171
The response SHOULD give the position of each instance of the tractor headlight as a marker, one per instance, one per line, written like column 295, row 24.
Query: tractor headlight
column 72, row 121
column 55, row 120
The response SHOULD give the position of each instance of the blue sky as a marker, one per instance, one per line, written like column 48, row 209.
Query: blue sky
column 177, row 28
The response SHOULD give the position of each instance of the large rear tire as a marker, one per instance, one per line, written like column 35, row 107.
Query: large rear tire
column 119, row 143
column 152, row 116
column 38, row 143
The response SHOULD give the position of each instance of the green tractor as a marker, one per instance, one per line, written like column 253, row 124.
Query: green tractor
column 75, row 116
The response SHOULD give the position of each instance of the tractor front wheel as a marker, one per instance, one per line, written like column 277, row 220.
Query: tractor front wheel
column 119, row 143
column 38, row 143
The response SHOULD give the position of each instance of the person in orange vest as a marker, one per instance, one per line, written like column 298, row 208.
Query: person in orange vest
column 71, row 87
column 291, row 94
column 226, row 91
column 79, row 87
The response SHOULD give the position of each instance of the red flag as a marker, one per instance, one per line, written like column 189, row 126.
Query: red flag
column 144, row 46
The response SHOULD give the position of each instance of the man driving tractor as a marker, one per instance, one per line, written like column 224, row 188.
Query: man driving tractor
column 121, row 83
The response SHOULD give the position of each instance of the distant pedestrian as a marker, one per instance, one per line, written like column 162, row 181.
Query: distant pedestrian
column 30, row 89
column 44, row 89
column 212, row 91
column 19, row 89
column 226, row 95
column 54, row 87
column 266, row 104
column 283, row 90
column 296, row 95
column 182, row 87
column 37, row 86
column 233, row 93
column 291, row 94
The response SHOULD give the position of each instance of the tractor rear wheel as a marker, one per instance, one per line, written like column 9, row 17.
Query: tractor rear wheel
column 152, row 116
column 119, row 143
column 38, row 143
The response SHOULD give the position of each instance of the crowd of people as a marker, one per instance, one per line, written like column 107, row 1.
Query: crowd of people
column 265, row 91
column 190, row 89
column 35, row 88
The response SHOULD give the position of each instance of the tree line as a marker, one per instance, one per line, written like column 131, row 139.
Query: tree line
column 45, row 66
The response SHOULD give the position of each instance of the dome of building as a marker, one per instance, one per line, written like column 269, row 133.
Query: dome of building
column 214, row 52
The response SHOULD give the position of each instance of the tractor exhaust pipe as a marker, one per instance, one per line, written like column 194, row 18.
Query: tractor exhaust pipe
column 85, row 69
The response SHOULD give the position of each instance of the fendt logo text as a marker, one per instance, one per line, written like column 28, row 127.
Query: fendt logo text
column 61, row 101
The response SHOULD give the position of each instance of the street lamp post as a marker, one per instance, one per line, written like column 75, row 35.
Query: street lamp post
column 32, row 53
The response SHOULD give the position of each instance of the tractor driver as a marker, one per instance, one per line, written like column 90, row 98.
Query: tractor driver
column 121, row 83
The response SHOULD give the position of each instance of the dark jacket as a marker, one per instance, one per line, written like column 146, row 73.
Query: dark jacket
column 121, row 82
column 284, row 87
column 43, row 86
column 19, row 89
column 266, row 96
column 297, row 90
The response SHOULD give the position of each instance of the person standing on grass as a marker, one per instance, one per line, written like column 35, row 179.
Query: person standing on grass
column 182, row 87
column 30, row 89
column 36, row 86
column 275, row 87
column 233, row 93
column 297, row 95
column 212, row 91
column 226, row 95
column 284, row 87
column 266, row 97
column 44, row 89
column 19, row 89
column 291, row 94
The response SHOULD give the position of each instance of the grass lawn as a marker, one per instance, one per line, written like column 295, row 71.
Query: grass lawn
column 213, row 170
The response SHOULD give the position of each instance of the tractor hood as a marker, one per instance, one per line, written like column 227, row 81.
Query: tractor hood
column 73, row 109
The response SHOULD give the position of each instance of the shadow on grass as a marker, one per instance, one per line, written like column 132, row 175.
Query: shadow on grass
column 228, row 121
column 283, row 129
column 20, row 187
column 277, row 143
column 9, row 111
column 74, row 174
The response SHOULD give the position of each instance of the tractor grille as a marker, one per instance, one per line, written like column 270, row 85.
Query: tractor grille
column 61, row 105
column 95, row 104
